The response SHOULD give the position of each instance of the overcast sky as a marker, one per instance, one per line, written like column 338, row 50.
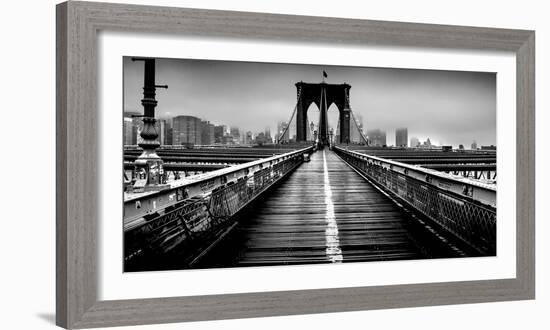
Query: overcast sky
column 449, row 107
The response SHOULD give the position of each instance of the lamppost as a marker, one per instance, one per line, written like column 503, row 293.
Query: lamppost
column 148, row 167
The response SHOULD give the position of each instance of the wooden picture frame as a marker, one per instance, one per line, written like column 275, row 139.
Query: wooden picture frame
column 78, row 24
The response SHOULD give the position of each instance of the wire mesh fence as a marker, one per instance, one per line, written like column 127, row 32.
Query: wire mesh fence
column 462, row 215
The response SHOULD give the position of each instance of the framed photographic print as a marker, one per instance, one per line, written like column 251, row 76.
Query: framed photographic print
column 215, row 164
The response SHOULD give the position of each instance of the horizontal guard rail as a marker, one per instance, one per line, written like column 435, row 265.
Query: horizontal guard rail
column 137, row 205
column 464, row 207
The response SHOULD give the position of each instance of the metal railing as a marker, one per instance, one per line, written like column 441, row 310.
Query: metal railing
column 201, row 207
column 462, row 206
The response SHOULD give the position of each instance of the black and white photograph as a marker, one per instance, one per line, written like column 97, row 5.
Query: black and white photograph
column 249, row 164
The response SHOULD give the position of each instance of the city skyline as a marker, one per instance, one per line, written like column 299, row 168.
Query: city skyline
column 191, row 130
column 376, row 136
column 131, row 133
column 450, row 108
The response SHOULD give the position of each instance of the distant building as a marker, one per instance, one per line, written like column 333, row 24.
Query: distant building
column 243, row 137
column 219, row 132
column 460, row 147
column 491, row 147
column 164, row 130
column 377, row 137
column 227, row 139
column 160, row 126
column 415, row 142
column 474, row 145
column 249, row 139
column 401, row 137
column 260, row 139
column 129, row 132
column 267, row 135
column 207, row 133
column 168, row 134
column 281, row 128
column 132, row 127
column 186, row 130
column 235, row 134
column 427, row 144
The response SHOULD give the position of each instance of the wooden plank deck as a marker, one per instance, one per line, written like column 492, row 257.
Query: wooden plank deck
column 323, row 212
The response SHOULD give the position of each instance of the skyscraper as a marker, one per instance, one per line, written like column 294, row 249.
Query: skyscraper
column 186, row 130
column 129, row 137
column 160, row 126
column 401, row 137
column 281, row 127
column 132, row 127
column 415, row 142
column 219, row 132
column 235, row 134
column 267, row 135
column 377, row 137
column 207, row 133
column 168, row 134
column 474, row 145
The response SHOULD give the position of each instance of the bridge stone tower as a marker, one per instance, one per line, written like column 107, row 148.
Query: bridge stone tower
column 323, row 95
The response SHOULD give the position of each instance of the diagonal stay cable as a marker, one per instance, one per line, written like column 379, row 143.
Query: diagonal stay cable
column 357, row 126
column 291, row 117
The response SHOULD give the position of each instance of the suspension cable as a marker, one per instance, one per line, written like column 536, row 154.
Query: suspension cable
column 357, row 126
column 291, row 117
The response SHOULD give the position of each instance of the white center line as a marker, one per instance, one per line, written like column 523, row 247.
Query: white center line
column 333, row 251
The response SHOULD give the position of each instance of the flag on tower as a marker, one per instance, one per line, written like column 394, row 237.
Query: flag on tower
column 325, row 75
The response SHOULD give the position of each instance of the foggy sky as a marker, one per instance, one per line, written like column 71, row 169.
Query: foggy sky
column 449, row 107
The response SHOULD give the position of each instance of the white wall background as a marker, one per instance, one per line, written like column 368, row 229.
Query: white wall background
column 27, row 243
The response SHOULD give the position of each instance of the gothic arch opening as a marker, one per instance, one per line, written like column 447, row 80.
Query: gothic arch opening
column 333, row 116
column 312, row 122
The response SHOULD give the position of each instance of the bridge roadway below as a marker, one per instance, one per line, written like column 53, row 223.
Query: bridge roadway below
column 322, row 212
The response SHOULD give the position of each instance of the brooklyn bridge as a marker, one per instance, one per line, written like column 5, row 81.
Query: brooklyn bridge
column 320, row 199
